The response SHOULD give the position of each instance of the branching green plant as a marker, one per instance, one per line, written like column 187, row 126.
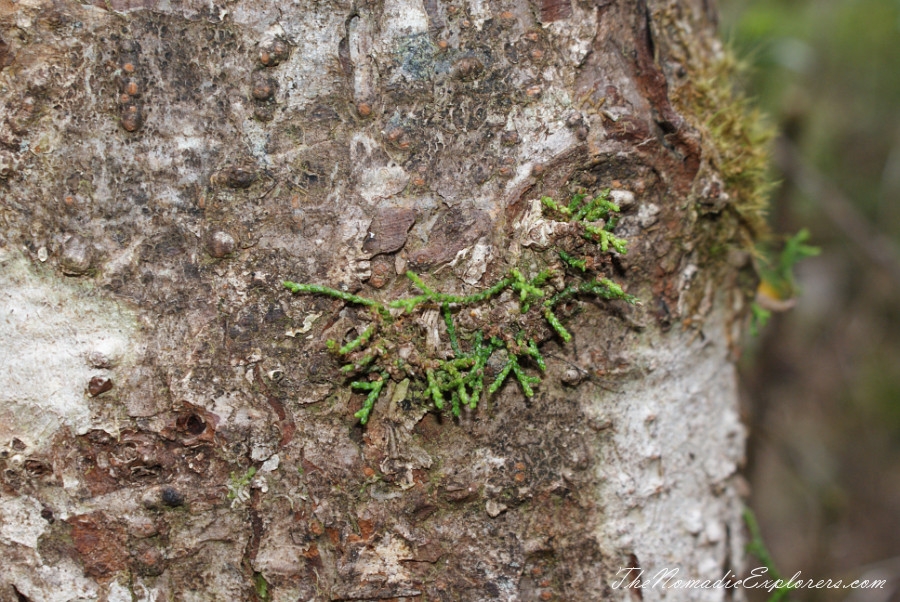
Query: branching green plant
column 757, row 547
column 778, row 285
column 479, row 360
column 374, row 388
column 777, row 268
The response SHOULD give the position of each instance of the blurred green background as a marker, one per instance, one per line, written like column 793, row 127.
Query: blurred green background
column 822, row 381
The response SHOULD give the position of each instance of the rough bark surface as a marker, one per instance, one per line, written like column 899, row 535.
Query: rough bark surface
column 166, row 164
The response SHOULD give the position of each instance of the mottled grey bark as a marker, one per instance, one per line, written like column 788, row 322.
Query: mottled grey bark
column 166, row 164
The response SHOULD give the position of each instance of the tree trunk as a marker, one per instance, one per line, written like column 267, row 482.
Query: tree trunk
column 173, row 424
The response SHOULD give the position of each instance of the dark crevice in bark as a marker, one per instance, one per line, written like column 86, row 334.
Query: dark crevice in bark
column 634, row 564
column 653, row 84
column 344, row 45
column 20, row 597
column 257, row 530
column 728, row 565
column 344, row 53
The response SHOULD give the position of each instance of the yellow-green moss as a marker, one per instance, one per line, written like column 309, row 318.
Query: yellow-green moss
column 736, row 137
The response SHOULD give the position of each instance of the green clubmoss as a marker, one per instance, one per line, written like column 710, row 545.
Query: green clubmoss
column 463, row 375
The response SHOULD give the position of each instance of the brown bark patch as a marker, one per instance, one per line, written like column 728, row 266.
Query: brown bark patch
column 452, row 233
column 388, row 230
column 6, row 55
column 99, row 543
column 555, row 10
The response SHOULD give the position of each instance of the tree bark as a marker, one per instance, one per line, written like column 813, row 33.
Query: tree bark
column 167, row 164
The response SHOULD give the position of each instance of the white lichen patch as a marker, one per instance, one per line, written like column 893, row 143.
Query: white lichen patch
column 533, row 230
column 471, row 263
column 278, row 553
column 403, row 17
column 480, row 12
column 382, row 182
column 20, row 521
column 622, row 198
column 55, row 335
column 429, row 321
column 61, row 582
column 307, row 325
column 365, row 73
column 21, row 527
column 575, row 33
column 648, row 214
column 485, row 462
column 674, row 440
column 385, row 560
column 494, row 508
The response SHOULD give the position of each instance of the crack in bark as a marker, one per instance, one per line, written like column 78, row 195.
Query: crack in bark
column 653, row 84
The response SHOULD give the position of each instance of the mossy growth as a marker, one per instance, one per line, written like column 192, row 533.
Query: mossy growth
column 262, row 587
column 479, row 358
column 238, row 486
column 737, row 139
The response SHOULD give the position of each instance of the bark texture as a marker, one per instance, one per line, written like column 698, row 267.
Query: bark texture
column 166, row 164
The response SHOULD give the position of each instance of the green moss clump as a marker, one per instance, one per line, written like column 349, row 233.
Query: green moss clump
column 238, row 486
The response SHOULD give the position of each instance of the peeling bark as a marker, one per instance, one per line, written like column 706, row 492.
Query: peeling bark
column 172, row 426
